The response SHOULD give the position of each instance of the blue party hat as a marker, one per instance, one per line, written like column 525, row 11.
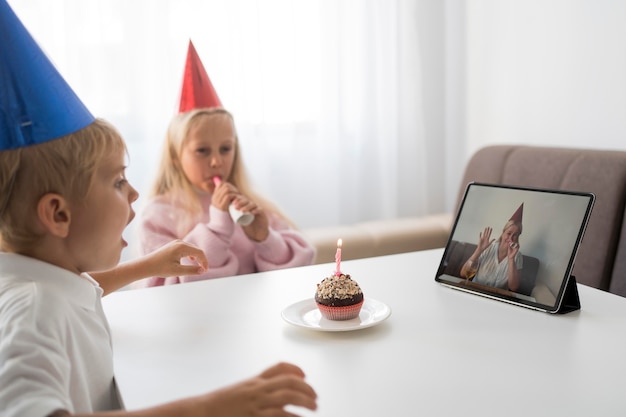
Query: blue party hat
column 36, row 104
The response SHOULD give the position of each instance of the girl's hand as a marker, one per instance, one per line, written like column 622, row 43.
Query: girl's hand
column 264, row 395
column 484, row 239
column 512, row 250
column 226, row 194
column 223, row 195
column 259, row 229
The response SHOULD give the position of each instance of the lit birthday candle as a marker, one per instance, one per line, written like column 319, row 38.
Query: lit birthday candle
column 338, row 258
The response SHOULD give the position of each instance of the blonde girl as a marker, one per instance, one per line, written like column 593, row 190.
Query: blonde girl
column 186, row 203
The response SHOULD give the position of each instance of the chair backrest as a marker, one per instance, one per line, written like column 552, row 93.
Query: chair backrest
column 600, row 262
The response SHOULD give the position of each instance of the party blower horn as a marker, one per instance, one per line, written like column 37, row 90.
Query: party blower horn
column 239, row 217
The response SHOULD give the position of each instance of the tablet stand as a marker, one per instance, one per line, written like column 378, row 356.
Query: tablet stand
column 570, row 301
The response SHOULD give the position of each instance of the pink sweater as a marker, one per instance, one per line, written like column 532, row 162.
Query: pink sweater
column 227, row 247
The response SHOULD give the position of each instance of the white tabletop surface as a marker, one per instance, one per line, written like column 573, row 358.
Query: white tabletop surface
column 442, row 352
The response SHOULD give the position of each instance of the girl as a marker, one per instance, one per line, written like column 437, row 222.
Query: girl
column 200, row 176
column 498, row 263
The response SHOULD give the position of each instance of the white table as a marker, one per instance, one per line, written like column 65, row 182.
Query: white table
column 442, row 352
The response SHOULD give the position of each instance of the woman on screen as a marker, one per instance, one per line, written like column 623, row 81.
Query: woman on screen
column 497, row 263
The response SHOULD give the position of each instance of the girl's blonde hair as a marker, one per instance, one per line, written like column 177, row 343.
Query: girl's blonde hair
column 63, row 166
column 509, row 224
column 171, row 181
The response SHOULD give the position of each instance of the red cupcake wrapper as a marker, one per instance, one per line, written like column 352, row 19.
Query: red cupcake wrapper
column 340, row 313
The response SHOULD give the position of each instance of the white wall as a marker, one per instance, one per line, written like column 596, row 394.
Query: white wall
column 546, row 72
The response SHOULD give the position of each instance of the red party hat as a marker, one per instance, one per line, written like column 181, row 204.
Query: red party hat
column 517, row 216
column 197, row 91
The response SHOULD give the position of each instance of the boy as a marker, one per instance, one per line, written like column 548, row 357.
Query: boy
column 54, row 340
column 64, row 202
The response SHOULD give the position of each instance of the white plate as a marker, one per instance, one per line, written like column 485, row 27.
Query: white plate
column 306, row 314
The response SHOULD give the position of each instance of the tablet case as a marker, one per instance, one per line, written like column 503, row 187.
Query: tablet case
column 570, row 300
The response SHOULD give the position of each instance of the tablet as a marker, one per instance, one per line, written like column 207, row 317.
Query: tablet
column 518, row 245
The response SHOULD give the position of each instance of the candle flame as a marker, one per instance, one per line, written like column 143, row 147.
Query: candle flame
column 339, row 242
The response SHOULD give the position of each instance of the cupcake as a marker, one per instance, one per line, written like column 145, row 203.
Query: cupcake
column 338, row 297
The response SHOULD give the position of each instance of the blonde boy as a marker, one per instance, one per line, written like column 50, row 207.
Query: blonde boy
column 65, row 204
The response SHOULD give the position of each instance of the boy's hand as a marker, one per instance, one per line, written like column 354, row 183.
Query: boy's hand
column 163, row 262
column 264, row 395
column 166, row 261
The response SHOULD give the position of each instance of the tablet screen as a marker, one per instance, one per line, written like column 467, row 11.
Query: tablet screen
column 515, row 244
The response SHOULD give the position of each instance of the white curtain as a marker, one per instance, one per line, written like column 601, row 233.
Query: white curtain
column 327, row 94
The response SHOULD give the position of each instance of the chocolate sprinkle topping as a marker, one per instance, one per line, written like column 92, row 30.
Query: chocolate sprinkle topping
column 338, row 291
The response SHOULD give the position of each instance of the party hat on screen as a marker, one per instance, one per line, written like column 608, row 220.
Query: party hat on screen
column 36, row 104
column 517, row 216
column 197, row 91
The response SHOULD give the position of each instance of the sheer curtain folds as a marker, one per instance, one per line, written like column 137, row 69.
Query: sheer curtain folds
column 328, row 95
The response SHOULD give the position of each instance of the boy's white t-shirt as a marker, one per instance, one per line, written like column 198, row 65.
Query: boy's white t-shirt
column 55, row 343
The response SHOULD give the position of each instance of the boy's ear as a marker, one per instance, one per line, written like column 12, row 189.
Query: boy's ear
column 54, row 214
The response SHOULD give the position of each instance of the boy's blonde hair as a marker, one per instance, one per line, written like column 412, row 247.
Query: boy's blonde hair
column 172, row 182
column 64, row 166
